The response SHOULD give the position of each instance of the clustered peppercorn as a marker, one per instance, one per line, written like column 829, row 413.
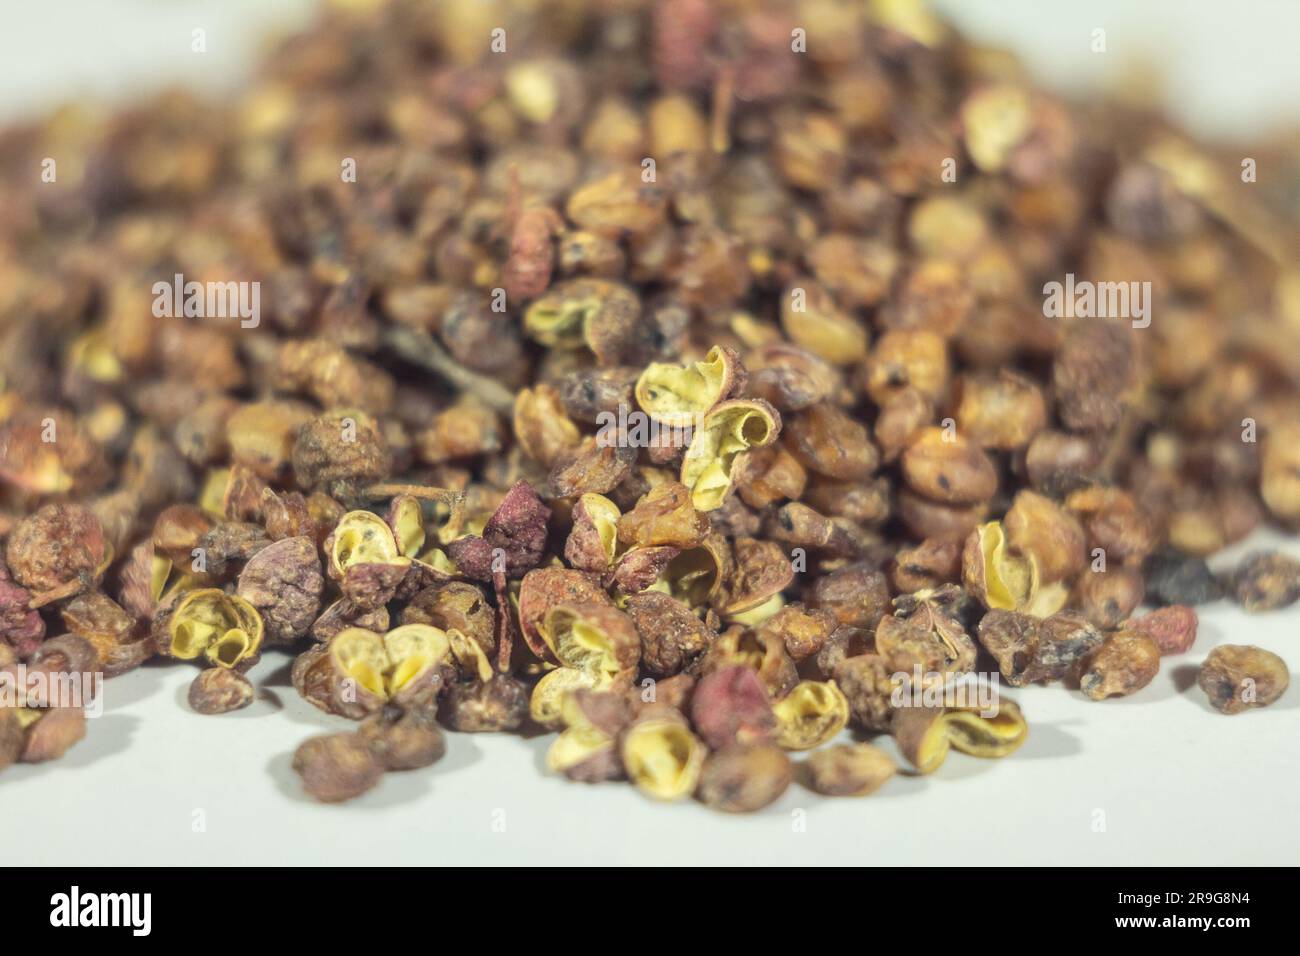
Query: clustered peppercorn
column 652, row 380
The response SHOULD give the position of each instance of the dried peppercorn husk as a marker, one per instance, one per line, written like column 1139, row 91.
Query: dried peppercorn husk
column 592, row 544
column 1003, row 579
column 121, row 641
column 731, row 705
column 514, row 537
column 359, row 671
column 866, row 680
column 925, row 734
column 926, row 566
column 364, row 558
column 926, row 631
column 587, row 748
column 597, row 647
column 1107, row 598
column 813, row 713
column 1035, row 525
column 945, row 467
column 921, row 736
column 761, row 651
column 803, row 630
column 661, row 756
column 664, row 516
column 789, row 377
column 224, row 629
column 459, row 608
column 1174, row 578
column 830, row 442
column 681, row 395
column 762, row 572
column 544, row 588
column 595, row 465
column 724, row 434
column 856, row 594
column 983, row 734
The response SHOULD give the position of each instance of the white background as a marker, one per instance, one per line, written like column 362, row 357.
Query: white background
column 1171, row 781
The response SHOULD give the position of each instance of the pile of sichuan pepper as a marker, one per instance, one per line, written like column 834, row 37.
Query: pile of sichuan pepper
column 674, row 377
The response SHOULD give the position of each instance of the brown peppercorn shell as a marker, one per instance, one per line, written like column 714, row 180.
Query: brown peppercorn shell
column 1012, row 639
column 731, row 705
column 763, row 652
column 921, row 736
column 122, row 642
column 1266, row 581
column 828, row 441
column 1003, row 411
column 926, row 565
column 856, row 594
column 336, row 767
column 1124, row 664
column 924, row 518
column 59, row 545
column 1036, row 525
column 219, row 690
column 743, row 778
column 945, row 467
column 848, row 770
column 545, row 588
column 56, row 731
column 456, row 605
column 344, row 614
column 495, row 705
column 1238, row 677
column 340, row 452
column 803, row 630
column 672, row 636
column 866, row 680
column 789, row 377
column 762, row 570
column 403, row 739
column 1108, row 597
column 177, row 530
column 664, row 516
column 593, row 466
column 284, row 582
